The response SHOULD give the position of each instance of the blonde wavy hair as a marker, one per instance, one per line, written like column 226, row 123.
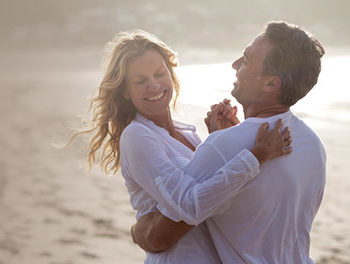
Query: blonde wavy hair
column 111, row 112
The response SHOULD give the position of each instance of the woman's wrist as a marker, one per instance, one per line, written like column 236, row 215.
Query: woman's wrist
column 259, row 152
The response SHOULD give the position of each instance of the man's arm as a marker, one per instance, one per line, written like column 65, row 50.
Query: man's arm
column 155, row 232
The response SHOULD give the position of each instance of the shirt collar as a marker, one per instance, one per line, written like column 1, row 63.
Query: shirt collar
column 284, row 116
column 178, row 125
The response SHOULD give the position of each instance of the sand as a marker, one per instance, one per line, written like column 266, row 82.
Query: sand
column 53, row 211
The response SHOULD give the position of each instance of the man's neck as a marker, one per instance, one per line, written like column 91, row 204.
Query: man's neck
column 264, row 111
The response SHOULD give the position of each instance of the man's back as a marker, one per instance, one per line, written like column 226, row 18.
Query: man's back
column 269, row 221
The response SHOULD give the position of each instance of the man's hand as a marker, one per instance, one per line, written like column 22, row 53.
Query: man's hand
column 154, row 232
column 221, row 116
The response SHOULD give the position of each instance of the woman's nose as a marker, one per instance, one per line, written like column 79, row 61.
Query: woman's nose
column 154, row 85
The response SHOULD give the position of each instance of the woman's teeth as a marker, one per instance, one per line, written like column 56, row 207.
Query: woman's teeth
column 154, row 98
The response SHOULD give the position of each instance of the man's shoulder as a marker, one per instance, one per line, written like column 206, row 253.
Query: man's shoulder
column 229, row 142
column 304, row 134
column 220, row 147
column 301, row 127
column 241, row 131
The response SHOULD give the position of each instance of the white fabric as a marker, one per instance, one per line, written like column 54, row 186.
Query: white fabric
column 149, row 152
column 269, row 220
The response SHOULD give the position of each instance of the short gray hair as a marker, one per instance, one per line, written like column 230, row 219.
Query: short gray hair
column 295, row 58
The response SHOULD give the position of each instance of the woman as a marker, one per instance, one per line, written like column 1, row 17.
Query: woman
column 133, row 126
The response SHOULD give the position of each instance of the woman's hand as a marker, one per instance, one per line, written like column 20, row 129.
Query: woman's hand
column 272, row 143
column 221, row 116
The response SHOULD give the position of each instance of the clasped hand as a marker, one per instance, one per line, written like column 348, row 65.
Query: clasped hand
column 222, row 115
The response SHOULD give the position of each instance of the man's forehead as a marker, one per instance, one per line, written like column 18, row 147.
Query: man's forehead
column 259, row 43
column 246, row 51
column 251, row 47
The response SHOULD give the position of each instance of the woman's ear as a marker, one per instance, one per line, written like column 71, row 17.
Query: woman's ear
column 126, row 94
column 272, row 84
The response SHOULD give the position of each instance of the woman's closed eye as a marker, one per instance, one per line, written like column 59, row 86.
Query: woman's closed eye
column 141, row 81
column 160, row 74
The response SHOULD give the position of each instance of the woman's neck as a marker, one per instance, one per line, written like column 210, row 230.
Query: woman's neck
column 165, row 121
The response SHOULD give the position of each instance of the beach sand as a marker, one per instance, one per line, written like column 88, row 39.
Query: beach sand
column 53, row 211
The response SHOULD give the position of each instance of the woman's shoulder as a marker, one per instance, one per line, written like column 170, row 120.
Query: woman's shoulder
column 136, row 128
column 136, row 133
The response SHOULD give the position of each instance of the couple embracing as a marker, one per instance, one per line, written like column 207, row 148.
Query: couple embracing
column 247, row 194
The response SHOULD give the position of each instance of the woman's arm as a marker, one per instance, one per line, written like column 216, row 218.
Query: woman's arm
column 155, row 232
column 146, row 161
column 148, row 164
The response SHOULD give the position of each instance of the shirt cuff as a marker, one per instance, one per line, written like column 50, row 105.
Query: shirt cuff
column 168, row 214
column 248, row 159
column 141, row 213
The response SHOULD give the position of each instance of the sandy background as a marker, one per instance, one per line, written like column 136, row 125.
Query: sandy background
column 53, row 211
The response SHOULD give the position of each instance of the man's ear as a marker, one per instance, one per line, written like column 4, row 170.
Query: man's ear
column 272, row 84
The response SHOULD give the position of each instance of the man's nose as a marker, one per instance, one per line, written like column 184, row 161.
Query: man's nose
column 237, row 63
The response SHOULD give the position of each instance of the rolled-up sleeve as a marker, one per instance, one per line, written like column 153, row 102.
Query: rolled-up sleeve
column 179, row 195
column 193, row 201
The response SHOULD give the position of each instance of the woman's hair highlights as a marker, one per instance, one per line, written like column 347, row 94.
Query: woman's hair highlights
column 110, row 111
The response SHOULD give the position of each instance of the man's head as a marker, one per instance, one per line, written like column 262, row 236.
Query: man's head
column 250, row 84
column 289, row 59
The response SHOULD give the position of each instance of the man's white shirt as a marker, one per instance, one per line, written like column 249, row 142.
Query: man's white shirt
column 268, row 220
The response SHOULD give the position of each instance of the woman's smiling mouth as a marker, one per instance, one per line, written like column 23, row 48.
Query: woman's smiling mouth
column 156, row 97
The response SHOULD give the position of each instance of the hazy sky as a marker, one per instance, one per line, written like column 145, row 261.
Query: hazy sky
column 201, row 24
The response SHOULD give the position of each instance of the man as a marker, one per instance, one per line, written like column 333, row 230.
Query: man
column 269, row 220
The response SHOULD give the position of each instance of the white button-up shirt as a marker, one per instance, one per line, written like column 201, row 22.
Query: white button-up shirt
column 269, row 219
column 148, row 153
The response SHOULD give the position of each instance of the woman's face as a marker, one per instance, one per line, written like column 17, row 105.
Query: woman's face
column 149, row 84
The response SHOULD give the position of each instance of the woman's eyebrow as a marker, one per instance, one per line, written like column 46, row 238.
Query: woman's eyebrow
column 135, row 76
